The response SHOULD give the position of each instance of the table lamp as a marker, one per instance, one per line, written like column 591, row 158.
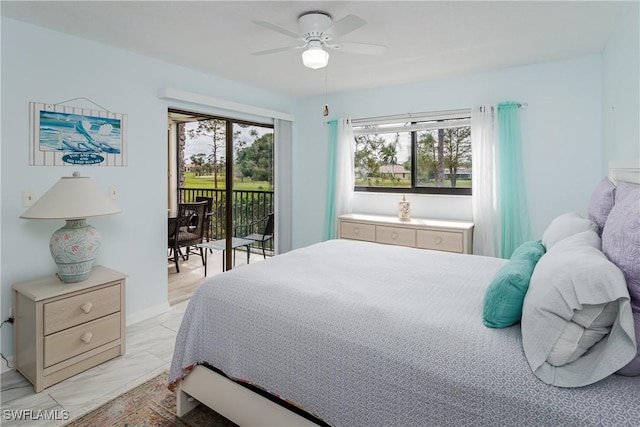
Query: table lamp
column 74, row 246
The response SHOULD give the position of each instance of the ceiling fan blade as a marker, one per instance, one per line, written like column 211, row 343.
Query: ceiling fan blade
column 276, row 50
column 361, row 48
column 344, row 26
column 277, row 29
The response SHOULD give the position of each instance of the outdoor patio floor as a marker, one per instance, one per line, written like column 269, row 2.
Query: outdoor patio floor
column 182, row 285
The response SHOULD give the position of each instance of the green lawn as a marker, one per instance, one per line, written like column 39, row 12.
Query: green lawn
column 191, row 181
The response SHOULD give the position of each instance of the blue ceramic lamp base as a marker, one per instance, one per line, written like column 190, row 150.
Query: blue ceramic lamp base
column 74, row 248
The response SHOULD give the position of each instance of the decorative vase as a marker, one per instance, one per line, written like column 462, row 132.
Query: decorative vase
column 74, row 249
column 404, row 209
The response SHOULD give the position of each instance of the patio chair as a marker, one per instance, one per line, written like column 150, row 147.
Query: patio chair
column 209, row 216
column 187, row 230
column 260, row 230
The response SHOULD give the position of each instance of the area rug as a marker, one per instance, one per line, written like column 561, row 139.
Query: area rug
column 149, row 404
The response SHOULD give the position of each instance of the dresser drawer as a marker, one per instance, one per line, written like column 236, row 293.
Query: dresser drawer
column 77, row 340
column 396, row 235
column 449, row 241
column 441, row 235
column 63, row 314
column 357, row 231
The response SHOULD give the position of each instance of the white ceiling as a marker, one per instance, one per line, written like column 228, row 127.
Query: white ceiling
column 424, row 39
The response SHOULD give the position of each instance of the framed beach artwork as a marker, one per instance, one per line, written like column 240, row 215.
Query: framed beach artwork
column 63, row 135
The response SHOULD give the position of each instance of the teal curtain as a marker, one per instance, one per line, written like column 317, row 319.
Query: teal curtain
column 513, row 203
column 330, row 216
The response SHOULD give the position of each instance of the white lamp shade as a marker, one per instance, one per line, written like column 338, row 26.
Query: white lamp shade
column 315, row 57
column 74, row 246
column 72, row 197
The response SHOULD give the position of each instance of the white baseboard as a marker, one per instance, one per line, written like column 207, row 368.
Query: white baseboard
column 145, row 314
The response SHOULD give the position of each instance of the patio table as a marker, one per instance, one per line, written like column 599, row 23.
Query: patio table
column 221, row 245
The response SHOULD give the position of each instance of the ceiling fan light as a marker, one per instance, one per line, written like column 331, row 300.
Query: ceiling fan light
column 315, row 58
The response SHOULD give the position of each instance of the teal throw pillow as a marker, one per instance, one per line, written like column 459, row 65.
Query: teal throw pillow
column 503, row 299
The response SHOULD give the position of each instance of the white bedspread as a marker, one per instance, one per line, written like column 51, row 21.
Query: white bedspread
column 363, row 334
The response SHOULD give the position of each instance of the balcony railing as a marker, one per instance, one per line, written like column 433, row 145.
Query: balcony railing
column 247, row 206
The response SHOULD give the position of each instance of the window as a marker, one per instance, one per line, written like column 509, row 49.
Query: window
column 426, row 153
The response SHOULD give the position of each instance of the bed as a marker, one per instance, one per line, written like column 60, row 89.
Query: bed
column 350, row 333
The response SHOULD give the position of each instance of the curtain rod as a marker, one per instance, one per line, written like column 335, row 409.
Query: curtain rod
column 522, row 105
column 412, row 115
column 409, row 116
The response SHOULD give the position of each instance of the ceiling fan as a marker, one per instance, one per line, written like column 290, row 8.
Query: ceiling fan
column 318, row 31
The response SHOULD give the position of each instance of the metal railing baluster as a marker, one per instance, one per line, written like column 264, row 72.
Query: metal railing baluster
column 249, row 205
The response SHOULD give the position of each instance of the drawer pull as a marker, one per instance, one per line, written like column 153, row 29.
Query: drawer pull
column 86, row 337
column 86, row 307
column 356, row 231
column 438, row 240
column 394, row 235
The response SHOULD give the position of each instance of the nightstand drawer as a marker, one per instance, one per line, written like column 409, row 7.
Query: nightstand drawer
column 396, row 235
column 81, row 308
column 71, row 342
column 440, row 240
column 357, row 231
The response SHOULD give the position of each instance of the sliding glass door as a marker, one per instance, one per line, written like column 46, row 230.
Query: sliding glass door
column 253, row 186
column 239, row 191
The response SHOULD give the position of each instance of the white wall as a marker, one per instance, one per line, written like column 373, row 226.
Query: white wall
column 621, row 88
column 44, row 66
column 561, row 136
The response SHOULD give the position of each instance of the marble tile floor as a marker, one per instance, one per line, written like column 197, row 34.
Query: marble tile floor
column 182, row 285
column 149, row 351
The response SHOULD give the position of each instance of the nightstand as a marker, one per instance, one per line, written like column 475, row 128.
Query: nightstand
column 61, row 329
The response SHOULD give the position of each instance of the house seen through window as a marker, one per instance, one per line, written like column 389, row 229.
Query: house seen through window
column 430, row 153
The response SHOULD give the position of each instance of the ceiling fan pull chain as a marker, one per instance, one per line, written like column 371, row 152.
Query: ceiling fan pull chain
column 325, row 112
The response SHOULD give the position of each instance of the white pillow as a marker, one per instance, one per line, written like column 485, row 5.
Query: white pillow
column 587, row 326
column 577, row 326
column 564, row 226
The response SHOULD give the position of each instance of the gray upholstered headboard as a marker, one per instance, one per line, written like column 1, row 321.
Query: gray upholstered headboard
column 624, row 170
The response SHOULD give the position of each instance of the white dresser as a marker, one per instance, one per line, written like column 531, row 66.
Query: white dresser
column 441, row 235
column 62, row 329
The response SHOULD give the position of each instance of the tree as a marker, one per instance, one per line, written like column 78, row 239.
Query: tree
column 451, row 150
column 458, row 148
column 197, row 160
column 256, row 160
column 440, row 163
column 367, row 156
column 216, row 131
column 389, row 154
column 426, row 155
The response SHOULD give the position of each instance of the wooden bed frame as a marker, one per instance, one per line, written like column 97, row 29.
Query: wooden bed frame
column 232, row 400
column 247, row 408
